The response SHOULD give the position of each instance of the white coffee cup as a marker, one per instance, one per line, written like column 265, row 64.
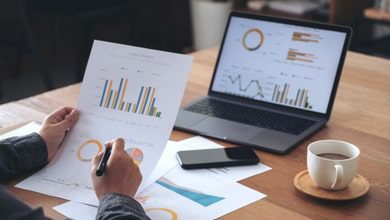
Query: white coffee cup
column 327, row 166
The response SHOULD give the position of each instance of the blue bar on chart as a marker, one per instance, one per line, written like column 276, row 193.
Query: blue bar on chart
column 114, row 99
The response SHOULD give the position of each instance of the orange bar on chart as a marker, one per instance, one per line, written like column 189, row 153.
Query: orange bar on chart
column 295, row 55
column 108, row 94
column 114, row 100
column 306, row 37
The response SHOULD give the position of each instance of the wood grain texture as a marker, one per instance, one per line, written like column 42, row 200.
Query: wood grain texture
column 357, row 188
column 360, row 116
column 377, row 14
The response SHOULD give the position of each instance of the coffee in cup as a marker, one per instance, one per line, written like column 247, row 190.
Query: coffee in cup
column 332, row 164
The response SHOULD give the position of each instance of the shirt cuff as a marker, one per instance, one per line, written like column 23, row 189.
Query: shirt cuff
column 118, row 206
column 32, row 151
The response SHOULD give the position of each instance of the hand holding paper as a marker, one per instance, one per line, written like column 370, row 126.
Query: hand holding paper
column 54, row 128
column 126, row 92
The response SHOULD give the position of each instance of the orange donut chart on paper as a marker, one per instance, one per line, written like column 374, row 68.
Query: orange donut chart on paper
column 169, row 211
column 85, row 144
column 258, row 45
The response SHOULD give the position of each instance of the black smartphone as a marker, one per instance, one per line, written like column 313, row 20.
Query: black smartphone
column 220, row 157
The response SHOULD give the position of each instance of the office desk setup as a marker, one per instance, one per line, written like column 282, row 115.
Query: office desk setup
column 360, row 116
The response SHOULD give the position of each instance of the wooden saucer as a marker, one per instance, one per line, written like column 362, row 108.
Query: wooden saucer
column 358, row 187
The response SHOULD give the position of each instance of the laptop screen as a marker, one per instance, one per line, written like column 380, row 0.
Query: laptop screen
column 279, row 63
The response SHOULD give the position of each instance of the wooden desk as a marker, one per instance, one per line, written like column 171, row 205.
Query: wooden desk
column 377, row 14
column 360, row 115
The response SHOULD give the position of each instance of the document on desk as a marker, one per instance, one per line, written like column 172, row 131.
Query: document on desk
column 23, row 130
column 127, row 92
column 187, row 194
column 224, row 173
column 181, row 195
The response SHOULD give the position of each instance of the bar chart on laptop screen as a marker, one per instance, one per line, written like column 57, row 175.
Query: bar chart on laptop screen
column 279, row 63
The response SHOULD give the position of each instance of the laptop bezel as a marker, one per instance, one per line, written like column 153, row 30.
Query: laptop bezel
column 259, row 103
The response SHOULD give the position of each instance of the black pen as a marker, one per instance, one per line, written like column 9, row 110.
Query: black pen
column 103, row 161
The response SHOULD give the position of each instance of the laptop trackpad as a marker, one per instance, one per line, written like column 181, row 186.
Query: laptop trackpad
column 221, row 128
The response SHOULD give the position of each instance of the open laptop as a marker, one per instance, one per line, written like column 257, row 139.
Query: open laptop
column 274, row 82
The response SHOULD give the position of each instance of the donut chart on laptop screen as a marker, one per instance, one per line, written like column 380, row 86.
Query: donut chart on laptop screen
column 279, row 63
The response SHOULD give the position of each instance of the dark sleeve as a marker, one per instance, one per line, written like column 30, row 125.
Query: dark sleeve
column 117, row 206
column 13, row 209
column 21, row 154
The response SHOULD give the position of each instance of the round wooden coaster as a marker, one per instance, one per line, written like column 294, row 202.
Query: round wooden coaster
column 358, row 187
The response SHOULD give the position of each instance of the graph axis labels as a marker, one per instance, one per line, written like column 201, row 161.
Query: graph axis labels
column 257, row 45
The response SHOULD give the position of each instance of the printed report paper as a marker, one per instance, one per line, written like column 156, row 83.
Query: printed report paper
column 179, row 195
column 187, row 194
column 127, row 92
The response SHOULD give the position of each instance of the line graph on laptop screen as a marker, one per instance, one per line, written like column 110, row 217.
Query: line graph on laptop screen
column 279, row 63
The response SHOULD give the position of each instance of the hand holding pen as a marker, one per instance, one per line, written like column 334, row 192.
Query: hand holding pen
column 119, row 173
column 103, row 161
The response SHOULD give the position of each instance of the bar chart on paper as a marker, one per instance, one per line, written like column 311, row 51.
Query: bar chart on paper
column 126, row 93
column 143, row 104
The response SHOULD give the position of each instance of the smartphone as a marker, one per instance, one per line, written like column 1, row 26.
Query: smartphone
column 220, row 157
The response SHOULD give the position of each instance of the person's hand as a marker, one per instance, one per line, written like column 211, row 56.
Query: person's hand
column 54, row 128
column 121, row 175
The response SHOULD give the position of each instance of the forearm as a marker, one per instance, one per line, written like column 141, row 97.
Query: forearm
column 117, row 206
column 12, row 208
column 21, row 154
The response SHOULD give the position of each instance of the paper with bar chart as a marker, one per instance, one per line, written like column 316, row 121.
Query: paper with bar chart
column 127, row 92
column 278, row 63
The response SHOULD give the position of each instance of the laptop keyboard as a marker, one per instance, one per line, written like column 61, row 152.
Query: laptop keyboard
column 252, row 116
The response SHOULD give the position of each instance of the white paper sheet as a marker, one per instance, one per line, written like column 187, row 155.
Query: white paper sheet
column 192, row 196
column 127, row 92
column 24, row 130
column 162, row 201
column 164, row 165
column 77, row 211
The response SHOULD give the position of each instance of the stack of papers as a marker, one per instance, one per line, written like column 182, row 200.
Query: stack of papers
column 127, row 92
column 187, row 194
column 173, row 191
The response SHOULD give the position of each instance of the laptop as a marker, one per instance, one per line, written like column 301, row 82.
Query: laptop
column 273, row 85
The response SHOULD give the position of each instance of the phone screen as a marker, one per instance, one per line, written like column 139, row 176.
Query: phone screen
column 234, row 156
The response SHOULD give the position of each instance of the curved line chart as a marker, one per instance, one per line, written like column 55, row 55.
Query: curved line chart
column 245, row 89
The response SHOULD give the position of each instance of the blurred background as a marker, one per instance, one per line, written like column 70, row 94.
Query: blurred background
column 44, row 44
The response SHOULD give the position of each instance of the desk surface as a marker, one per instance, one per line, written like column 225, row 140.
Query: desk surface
column 377, row 14
column 360, row 115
